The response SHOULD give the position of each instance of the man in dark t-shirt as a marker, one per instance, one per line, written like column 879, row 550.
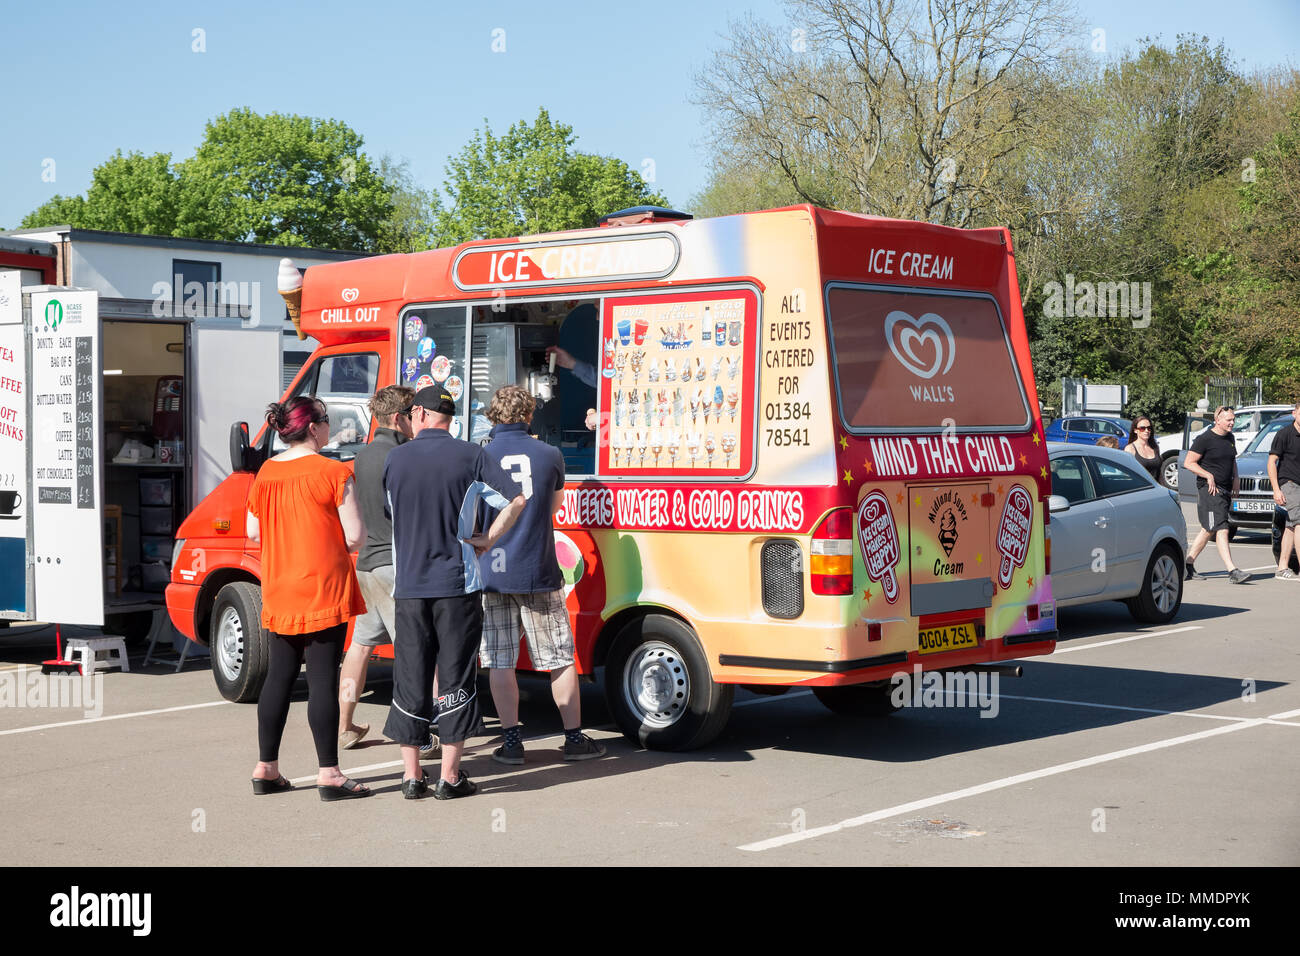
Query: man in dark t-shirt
column 522, row 582
column 1284, row 472
column 1213, row 460
column 433, row 484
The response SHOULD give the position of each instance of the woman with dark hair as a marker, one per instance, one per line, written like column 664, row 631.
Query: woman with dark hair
column 1143, row 446
column 303, row 509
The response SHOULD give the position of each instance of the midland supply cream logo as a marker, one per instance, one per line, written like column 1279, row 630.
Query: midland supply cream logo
column 924, row 346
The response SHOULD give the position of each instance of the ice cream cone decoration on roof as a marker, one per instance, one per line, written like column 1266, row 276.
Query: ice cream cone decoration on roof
column 288, row 282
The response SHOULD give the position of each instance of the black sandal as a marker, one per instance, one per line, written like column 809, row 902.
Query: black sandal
column 262, row 786
column 349, row 790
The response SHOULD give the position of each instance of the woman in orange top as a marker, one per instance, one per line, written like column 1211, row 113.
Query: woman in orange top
column 304, row 510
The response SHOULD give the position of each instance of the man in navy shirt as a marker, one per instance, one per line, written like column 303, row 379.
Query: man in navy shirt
column 433, row 484
column 522, row 581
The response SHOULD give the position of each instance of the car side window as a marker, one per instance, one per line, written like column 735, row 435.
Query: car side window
column 1115, row 430
column 1113, row 478
column 1070, row 479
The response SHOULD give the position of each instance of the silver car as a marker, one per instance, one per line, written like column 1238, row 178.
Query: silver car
column 1116, row 535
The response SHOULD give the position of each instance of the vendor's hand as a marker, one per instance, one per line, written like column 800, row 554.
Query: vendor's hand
column 562, row 358
column 591, row 421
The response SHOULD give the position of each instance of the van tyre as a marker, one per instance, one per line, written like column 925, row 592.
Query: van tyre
column 659, row 689
column 858, row 700
column 1162, row 588
column 238, row 642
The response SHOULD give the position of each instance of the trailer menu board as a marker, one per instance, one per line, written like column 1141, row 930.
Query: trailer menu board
column 678, row 384
column 66, row 431
column 14, row 500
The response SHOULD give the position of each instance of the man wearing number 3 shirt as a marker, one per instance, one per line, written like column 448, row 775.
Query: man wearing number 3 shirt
column 522, row 581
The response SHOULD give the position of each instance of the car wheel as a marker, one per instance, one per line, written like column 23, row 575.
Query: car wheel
column 1169, row 471
column 1162, row 588
column 238, row 642
column 659, row 689
column 858, row 700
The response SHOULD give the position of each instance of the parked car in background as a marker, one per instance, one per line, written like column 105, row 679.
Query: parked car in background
column 1088, row 429
column 1116, row 535
column 1251, row 419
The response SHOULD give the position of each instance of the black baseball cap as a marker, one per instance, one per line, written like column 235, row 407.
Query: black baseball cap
column 436, row 399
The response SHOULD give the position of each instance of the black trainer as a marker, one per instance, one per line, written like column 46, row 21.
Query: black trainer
column 1189, row 571
column 464, row 787
column 1238, row 576
column 415, row 789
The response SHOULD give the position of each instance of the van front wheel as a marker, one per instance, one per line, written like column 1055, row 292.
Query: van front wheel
column 238, row 642
column 658, row 686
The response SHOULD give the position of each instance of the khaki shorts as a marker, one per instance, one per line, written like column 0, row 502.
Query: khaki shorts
column 546, row 628
column 1291, row 491
column 377, row 625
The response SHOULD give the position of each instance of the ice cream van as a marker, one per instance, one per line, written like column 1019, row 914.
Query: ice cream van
column 818, row 458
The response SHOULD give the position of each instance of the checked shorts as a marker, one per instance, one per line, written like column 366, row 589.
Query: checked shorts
column 546, row 628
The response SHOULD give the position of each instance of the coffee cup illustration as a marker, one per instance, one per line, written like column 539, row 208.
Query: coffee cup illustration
column 9, row 502
column 878, row 538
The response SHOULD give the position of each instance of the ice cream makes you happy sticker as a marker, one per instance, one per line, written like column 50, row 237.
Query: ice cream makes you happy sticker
column 879, row 539
column 1013, row 533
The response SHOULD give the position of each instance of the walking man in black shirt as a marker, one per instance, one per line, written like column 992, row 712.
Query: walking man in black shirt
column 1284, row 472
column 434, row 483
column 1213, row 460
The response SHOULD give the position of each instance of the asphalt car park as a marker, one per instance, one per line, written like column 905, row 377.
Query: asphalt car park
column 1131, row 745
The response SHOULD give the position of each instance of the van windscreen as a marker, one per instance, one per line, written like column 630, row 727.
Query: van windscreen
column 910, row 360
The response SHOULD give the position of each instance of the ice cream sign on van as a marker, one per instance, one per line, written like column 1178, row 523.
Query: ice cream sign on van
column 641, row 256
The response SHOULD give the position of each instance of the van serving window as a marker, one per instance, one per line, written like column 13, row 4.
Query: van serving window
column 906, row 361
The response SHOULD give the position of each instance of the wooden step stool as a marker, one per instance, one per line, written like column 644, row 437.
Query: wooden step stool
column 114, row 647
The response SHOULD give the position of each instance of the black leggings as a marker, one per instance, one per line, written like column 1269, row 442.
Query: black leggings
column 323, row 651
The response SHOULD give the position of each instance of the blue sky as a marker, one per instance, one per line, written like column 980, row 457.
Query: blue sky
column 416, row 79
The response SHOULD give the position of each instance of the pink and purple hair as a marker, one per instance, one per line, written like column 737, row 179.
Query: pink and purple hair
column 294, row 418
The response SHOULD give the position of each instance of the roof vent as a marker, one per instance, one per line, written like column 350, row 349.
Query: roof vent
column 640, row 214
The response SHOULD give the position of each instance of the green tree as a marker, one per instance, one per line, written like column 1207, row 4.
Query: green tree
column 284, row 179
column 128, row 193
column 411, row 224
column 531, row 180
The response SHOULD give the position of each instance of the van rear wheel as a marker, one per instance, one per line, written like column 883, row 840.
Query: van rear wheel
column 659, row 689
column 858, row 700
column 238, row 642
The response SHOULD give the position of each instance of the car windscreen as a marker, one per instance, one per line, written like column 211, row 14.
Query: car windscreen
column 914, row 361
column 1262, row 442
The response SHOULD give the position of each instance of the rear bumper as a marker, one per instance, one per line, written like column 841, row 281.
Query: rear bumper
column 807, row 673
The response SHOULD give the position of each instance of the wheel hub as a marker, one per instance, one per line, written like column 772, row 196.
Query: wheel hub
column 655, row 684
column 230, row 644
column 1164, row 583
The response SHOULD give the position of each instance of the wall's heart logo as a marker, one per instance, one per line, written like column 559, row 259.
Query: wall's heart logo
column 929, row 336
column 350, row 295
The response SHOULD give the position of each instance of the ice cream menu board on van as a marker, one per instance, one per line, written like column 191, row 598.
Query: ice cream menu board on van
column 677, row 384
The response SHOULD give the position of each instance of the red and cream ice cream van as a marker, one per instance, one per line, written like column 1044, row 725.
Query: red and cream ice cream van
column 819, row 458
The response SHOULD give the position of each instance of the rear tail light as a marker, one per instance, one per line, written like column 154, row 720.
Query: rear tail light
column 831, row 561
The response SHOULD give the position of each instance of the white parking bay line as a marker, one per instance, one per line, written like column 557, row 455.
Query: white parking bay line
column 96, row 720
column 992, row 785
column 1124, row 640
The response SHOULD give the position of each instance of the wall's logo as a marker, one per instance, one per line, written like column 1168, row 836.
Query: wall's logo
column 350, row 295
column 924, row 346
column 53, row 313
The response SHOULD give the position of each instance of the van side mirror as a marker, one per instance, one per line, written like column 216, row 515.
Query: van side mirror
column 1057, row 503
column 239, row 447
